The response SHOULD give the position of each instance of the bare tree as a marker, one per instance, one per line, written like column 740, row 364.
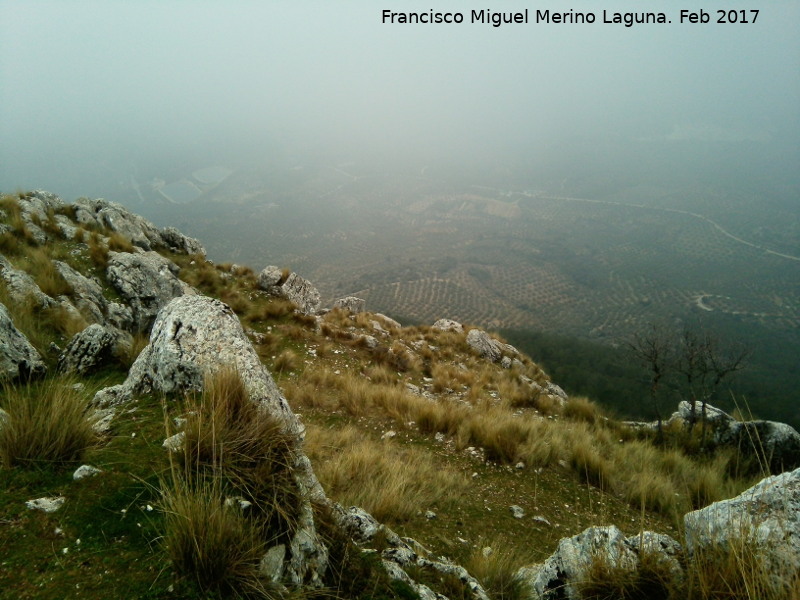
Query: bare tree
column 704, row 362
column 655, row 350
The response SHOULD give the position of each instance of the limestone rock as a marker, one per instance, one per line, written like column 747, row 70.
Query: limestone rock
column 88, row 351
column 517, row 511
column 486, row 347
column 36, row 206
column 87, row 293
column 183, row 244
column 448, row 325
column 302, row 293
column 776, row 443
column 18, row 358
column 764, row 520
column 147, row 281
column 48, row 505
column 351, row 303
column 119, row 316
column 194, row 335
column 294, row 288
column 101, row 212
column 271, row 566
column 85, row 471
column 21, row 286
column 560, row 575
column 388, row 321
column 174, row 443
column 555, row 390
column 359, row 524
column 269, row 278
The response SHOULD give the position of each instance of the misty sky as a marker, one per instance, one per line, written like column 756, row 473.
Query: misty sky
column 85, row 83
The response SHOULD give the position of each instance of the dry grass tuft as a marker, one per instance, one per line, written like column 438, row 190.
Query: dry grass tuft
column 48, row 423
column 208, row 542
column 733, row 570
column 129, row 353
column 286, row 361
column 579, row 408
column 389, row 481
column 44, row 272
column 98, row 250
column 495, row 564
column 229, row 435
column 119, row 243
column 652, row 580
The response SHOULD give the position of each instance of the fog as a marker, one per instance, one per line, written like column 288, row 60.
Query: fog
column 92, row 91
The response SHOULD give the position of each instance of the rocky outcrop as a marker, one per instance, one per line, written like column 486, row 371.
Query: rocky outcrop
column 177, row 242
column 36, row 208
column 351, row 303
column 403, row 553
column 88, row 351
column 147, row 282
column 18, row 358
column 448, row 325
column 194, row 336
column 141, row 232
column 489, row 348
column 294, row 288
column 763, row 521
column 776, row 445
column 87, row 294
column 21, row 286
column 561, row 575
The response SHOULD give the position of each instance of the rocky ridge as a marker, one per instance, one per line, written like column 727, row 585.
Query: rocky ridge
column 191, row 335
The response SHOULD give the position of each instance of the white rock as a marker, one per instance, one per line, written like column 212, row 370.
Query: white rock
column 448, row 325
column 48, row 505
column 517, row 511
column 765, row 519
column 85, row 471
column 174, row 443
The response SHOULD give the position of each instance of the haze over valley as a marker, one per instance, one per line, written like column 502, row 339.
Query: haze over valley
column 581, row 181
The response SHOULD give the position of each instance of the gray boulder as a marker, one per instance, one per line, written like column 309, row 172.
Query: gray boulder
column 18, row 358
column 147, row 281
column 120, row 316
column 777, row 445
column 293, row 288
column 351, row 303
column 105, row 214
column 39, row 203
column 88, row 351
column 387, row 321
column 193, row 336
column 555, row 390
column 269, row 278
column 484, row 345
column 21, row 286
column 183, row 244
column 87, row 294
column 487, row 347
column 36, row 206
column 562, row 573
column 763, row 521
column 448, row 325
column 402, row 553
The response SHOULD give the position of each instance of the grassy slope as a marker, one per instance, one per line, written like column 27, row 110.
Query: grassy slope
column 578, row 469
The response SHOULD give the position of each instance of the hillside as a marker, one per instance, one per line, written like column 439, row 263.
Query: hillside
column 596, row 259
column 198, row 416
